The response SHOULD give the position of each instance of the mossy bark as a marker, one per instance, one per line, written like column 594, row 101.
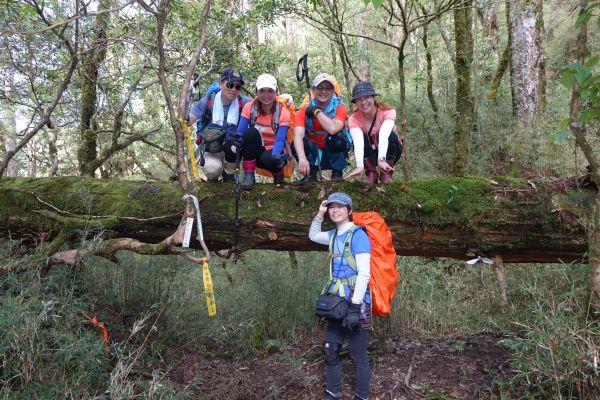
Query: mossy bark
column 500, row 70
column 445, row 217
column 87, row 151
column 463, row 31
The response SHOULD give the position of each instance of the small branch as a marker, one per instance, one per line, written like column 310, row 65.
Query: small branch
column 101, row 216
column 4, row 32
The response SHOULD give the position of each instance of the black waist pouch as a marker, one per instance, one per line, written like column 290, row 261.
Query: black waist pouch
column 333, row 308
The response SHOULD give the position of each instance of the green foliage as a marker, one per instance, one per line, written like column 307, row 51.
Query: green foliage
column 49, row 348
column 555, row 350
column 155, row 308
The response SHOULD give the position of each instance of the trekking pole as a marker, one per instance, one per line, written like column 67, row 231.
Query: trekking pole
column 303, row 74
column 300, row 76
column 236, row 232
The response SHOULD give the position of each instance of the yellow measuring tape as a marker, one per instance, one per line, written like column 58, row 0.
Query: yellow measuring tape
column 208, row 289
column 190, row 146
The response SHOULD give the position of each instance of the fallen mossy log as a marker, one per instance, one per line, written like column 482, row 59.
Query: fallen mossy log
column 520, row 220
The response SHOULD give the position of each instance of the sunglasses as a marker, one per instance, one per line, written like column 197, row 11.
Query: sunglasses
column 325, row 88
column 231, row 85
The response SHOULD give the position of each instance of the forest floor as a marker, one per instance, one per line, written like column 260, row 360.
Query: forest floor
column 468, row 367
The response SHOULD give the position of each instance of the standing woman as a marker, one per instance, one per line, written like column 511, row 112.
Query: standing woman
column 261, row 134
column 373, row 130
column 349, row 282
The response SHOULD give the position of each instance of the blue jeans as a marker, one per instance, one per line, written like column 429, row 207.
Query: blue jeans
column 323, row 157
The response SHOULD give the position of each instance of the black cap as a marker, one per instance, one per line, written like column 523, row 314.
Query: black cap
column 232, row 75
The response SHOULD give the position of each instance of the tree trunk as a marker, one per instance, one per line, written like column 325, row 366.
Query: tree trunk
column 32, row 159
column 52, row 137
column 500, row 70
column 446, row 217
column 404, row 128
column 365, row 67
column 527, row 59
column 464, row 97
column 291, row 43
column 586, row 147
column 428, row 59
column 91, row 62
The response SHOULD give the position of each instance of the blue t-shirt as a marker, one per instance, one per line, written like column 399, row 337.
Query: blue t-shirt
column 199, row 109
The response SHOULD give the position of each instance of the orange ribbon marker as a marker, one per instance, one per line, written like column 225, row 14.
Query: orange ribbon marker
column 101, row 326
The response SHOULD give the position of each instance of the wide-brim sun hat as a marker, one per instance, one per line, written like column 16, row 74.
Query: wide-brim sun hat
column 266, row 81
column 363, row 89
column 323, row 77
column 340, row 198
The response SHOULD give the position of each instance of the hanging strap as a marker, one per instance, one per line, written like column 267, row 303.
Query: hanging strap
column 372, row 144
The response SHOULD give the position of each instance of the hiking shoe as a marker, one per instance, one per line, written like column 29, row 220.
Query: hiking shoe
column 336, row 176
column 278, row 179
column 248, row 181
column 331, row 396
column 311, row 177
column 228, row 178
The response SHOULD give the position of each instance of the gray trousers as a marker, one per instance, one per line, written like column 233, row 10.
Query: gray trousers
column 358, row 341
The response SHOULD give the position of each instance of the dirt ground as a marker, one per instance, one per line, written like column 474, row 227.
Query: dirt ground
column 402, row 368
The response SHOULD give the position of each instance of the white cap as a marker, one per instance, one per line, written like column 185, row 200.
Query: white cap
column 213, row 165
column 266, row 81
column 323, row 77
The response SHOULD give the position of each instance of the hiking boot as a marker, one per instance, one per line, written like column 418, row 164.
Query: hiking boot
column 357, row 397
column 371, row 171
column 278, row 179
column 248, row 181
column 249, row 177
column 386, row 177
column 337, row 176
column 311, row 177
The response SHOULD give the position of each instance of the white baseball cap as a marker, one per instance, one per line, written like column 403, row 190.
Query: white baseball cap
column 266, row 81
column 323, row 77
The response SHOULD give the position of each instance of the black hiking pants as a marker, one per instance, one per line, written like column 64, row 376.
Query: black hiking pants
column 358, row 341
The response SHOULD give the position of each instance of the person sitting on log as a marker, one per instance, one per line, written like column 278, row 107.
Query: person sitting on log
column 261, row 134
column 373, row 130
column 217, row 114
column 320, row 139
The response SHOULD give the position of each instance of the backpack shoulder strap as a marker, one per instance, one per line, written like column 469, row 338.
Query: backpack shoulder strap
column 278, row 110
column 207, row 117
column 348, row 254
column 252, row 120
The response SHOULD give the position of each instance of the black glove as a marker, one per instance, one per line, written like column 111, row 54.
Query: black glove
column 279, row 161
column 234, row 140
column 310, row 110
column 351, row 321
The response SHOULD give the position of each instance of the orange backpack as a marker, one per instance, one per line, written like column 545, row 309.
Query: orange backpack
column 384, row 275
